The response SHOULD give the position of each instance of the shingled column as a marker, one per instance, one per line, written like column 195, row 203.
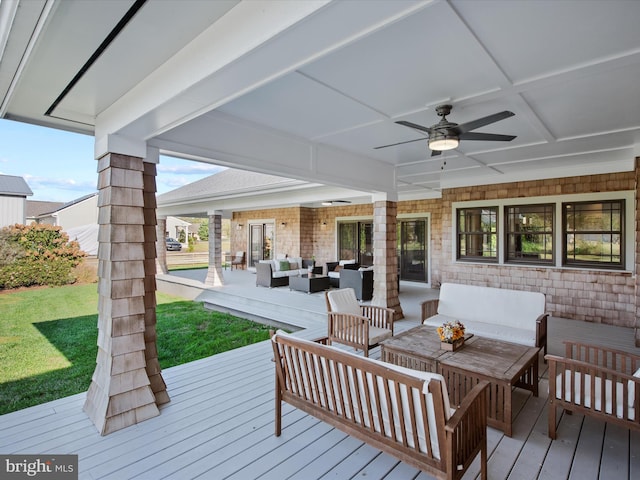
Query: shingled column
column 158, row 387
column 385, row 257
column 120, row 393
column 214, row 272
column 161, row 246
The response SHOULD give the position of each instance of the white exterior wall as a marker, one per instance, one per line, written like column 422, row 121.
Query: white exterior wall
column 12, row 210
column 79, row 214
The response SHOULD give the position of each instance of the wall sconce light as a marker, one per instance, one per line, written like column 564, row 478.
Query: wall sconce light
column 239, row 226
column 283, row 224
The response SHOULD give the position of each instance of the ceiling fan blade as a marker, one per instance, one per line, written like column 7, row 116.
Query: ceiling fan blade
column 481, row 122
column 399, row 143
column 435, row 152
column 414, row 125
column 486, row 136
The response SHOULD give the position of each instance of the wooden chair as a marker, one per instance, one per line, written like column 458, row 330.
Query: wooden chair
column 360, row 326
column 238, row 260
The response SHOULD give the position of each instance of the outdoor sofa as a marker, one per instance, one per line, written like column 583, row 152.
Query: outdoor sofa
column 402, row 412
column 276, row 273
column 514, row 316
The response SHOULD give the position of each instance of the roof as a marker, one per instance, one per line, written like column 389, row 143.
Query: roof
column 77, row 200
column 226, row 183
column 35, row 208
column 15, row 186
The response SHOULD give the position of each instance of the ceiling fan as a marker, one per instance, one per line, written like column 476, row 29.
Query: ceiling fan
column 446, row 135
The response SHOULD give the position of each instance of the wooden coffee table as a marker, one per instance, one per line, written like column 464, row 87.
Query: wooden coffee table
column 309, row 283
column 505, row 365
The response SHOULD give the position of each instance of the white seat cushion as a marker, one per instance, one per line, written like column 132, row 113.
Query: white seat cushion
column 505, row 333
column 594, row 401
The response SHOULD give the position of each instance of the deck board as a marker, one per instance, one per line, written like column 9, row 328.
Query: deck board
column 219, row 424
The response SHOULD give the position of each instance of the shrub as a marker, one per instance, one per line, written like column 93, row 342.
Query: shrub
column 39, row 255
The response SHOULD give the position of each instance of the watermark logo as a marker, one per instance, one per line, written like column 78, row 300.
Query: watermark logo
column 50, row 467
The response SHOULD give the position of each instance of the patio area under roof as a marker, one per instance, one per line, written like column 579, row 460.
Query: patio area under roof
column 219, row 423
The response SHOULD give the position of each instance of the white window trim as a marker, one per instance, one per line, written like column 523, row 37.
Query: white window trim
column 629, row 235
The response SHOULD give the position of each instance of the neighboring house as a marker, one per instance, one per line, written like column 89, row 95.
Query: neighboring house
column 76, row 213
column 37, row 208
column 175, row 226
column 13, row 199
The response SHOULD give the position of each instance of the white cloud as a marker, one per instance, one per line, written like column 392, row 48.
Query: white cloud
column 60, row 183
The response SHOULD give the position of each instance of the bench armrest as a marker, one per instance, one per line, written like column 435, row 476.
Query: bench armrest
column 466, row 431
column 429, row 308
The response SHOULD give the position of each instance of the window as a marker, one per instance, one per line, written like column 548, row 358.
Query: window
column 477, row 234
column 529, row 230
column 593, row 233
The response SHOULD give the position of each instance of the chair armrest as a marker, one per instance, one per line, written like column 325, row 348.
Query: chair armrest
column 429, row 308
column 331, row 266
column 263, row 274
column 541, row 332
column 349, row 329
column 466, row 430
column 381, row 317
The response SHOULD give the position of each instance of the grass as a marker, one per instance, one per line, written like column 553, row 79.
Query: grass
column 48, row 340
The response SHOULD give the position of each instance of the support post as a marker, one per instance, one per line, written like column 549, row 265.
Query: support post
column 120, row 393
column 214, row 271
column 385, row 258
column 161, row 246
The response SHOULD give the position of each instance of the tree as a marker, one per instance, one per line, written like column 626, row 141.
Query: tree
column 203, row 231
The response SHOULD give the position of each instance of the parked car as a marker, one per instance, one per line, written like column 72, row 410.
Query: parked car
column 173, row 244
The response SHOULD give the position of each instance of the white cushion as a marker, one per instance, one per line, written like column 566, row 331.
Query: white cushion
column 594, row 401
column 491, row 305
column 512, row 334
column 333, row 274
column 346, row 262
column 344, row 301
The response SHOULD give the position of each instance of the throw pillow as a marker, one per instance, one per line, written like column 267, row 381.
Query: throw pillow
column 338, row 268
column 293, row 265
column 284, row 265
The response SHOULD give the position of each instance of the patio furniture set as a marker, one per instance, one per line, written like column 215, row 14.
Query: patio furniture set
column 401, row 404
column 303, row 275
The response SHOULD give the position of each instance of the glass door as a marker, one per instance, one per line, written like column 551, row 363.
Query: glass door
column 412, row 250
column 260, row 242
column 355, row 241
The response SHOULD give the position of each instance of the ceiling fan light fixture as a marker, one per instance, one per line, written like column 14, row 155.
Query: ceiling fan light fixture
column 442, row 141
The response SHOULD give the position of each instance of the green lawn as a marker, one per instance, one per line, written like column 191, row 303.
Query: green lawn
column 48, row 340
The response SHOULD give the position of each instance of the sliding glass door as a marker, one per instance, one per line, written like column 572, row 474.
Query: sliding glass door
column 412, row 250
column 260, row 242
column 355, row 241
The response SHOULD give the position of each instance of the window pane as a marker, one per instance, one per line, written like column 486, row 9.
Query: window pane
column 530, row 233
column 593, row 233
column 477, row 233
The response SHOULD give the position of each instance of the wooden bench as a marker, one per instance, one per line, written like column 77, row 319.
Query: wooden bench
column 579, row 377
column 402, row 412
column 515, row 316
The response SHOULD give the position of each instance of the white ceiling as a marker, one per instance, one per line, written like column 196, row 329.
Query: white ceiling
column 307, row 89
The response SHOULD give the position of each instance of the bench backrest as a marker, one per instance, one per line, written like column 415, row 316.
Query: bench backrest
column 389, row 403
column 491, row 305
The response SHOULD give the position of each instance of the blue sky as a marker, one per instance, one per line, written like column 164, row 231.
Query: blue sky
column 59, row 166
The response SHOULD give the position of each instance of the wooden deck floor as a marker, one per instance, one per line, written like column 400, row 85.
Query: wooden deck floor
column 219, row 424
